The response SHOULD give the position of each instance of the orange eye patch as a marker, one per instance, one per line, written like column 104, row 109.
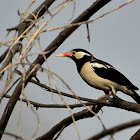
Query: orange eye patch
column 74, row 53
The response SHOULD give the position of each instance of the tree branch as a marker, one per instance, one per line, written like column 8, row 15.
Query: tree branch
column 112, row 102
column 67, row 121
column 37, row 105
column 12, row 135
column 136, row 136
column 115, row 129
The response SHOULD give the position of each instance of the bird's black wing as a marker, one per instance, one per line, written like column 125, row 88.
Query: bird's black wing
column 107, row 71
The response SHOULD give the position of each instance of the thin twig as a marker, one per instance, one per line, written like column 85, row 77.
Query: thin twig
column 12, row 135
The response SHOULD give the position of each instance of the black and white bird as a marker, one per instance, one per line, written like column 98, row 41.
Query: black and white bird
column 100, row 74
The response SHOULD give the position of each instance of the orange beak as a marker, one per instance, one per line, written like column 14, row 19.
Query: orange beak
column 64, row 55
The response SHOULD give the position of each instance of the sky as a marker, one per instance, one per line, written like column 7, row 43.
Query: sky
column 114, row 39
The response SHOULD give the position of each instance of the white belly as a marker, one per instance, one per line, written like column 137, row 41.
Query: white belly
column 91, row 78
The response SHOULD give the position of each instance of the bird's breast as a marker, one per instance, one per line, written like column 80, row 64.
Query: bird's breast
column 91, row 78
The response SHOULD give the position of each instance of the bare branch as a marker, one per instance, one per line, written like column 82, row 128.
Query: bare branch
column 115, row 129
column 88, row 33
column 67, row 121
column 12, row 135
column 40, row 105
column 136, row 136
column 12, row 51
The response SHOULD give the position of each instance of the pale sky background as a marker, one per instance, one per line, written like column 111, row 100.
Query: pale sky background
column 114, row 39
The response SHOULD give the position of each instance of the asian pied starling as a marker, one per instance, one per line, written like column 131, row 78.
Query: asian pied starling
column 101, row 75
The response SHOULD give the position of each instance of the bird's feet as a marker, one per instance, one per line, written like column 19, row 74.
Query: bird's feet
column 108, row 95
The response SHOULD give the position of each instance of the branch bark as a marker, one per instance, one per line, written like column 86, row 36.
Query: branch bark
column 40, row 105
column 136, row 136
column 115, row 129
column 110, row 102
column 67, row 121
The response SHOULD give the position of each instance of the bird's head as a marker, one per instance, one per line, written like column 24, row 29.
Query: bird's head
column 78, row 55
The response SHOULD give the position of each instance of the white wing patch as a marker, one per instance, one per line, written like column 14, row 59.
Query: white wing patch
column 98, row 65
column 108, row 66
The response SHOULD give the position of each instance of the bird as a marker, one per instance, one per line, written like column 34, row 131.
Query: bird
column 100, row 74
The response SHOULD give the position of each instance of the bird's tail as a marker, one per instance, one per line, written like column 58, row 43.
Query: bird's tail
column 136, row 97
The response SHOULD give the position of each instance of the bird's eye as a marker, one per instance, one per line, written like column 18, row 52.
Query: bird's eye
column 73, row 53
